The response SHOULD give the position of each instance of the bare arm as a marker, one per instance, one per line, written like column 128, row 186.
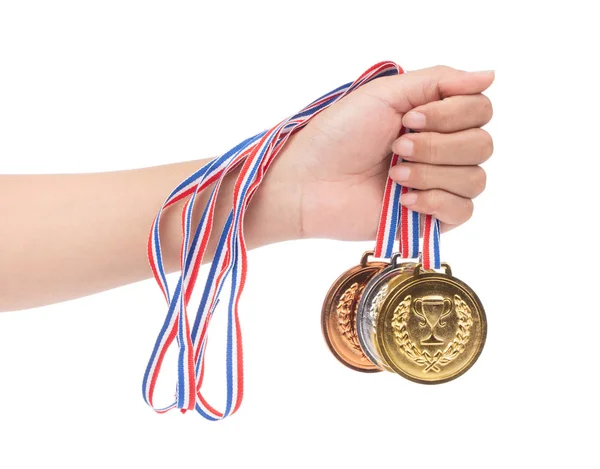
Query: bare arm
column 65, row 236
column 69, row 235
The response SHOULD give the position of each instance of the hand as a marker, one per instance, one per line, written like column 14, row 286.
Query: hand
column 335, row 168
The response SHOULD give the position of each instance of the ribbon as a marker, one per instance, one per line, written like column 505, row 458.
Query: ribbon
column 229, row 264
column 397, row 220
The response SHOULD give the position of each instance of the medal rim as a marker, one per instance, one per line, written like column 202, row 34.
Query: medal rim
column 331, row 293
column 417, row 278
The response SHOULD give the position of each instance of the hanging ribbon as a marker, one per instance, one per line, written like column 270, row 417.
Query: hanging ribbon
column 398, row 220
column 229, row 264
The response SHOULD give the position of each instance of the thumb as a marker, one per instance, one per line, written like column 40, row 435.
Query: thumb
column 409, row 90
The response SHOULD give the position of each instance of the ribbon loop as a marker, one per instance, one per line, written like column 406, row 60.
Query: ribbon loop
column 230, row 263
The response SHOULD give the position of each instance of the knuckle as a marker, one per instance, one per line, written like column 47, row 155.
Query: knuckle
column 439, row 117
column 442, row 68
column 478, row 180
column 433, row 201
column 420, row 176
column 432, row 113
column 431, row 148
column 487, row 145
column 487, row 109
column 469, row 208
column 449, row 122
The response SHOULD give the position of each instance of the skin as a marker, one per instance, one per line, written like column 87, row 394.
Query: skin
column 67, row 236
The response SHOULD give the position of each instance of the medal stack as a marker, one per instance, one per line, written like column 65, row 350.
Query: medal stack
column 399, row 312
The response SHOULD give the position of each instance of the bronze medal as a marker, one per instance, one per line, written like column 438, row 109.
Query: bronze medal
column 338, row 316
column 431, row 327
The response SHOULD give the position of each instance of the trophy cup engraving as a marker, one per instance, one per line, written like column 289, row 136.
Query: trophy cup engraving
column 432, row 309
column 431, row 328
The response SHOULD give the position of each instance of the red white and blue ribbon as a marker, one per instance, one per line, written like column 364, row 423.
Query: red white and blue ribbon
column 176, row 324
column 390, row 216
column 396, row 220
column 431, row 243
column 229, row 261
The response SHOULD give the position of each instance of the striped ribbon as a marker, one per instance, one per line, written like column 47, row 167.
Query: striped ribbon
column 396, row 220
column 229, row 264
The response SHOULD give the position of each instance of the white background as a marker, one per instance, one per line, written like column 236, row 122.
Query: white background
column 92, row 86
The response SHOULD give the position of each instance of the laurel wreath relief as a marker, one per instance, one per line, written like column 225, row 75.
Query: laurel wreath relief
column 345, row 307
column 423, row 357
column 376, row 305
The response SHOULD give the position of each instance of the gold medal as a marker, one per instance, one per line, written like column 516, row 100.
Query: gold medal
column 371, row 302
column 338, row 316
column 431, row 327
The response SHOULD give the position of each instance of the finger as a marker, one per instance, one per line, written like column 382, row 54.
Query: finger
column 468, row 147
column 465, row 181
column 446, row 207
column 412, row 89
column 445, row 227
column 450, row 115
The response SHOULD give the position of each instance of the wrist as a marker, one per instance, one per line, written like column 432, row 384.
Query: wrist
column 274, row 211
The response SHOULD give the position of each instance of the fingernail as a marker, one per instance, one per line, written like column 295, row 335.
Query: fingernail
column 405, row 147
column 485, row 72
column 408, row 199
column 400, row 173
column 414, row 120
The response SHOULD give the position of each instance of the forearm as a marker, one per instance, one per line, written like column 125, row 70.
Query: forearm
column 66, row 236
